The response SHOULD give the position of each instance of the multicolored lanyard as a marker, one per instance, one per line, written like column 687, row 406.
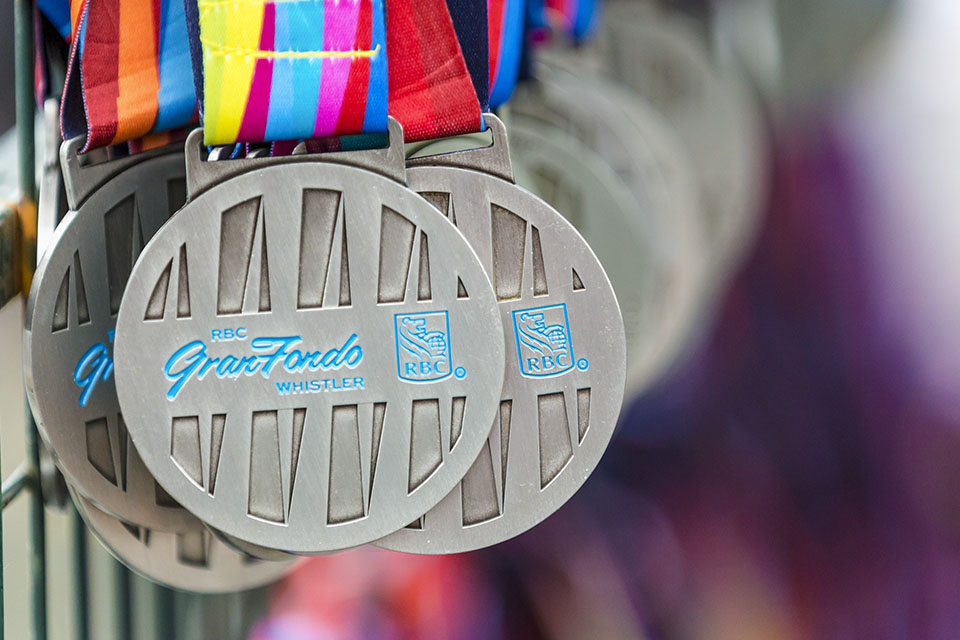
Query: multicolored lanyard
column 432, row 91
column 271, row 70
column 506, row 34
column 126, row 77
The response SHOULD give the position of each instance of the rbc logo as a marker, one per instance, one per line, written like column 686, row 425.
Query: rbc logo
column 423, row 346
column 543, row 341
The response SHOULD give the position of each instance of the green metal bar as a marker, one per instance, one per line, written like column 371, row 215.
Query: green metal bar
column 38, row 541
column 23, row 34
column 81, row 603
column 164, row 614
column 121, row 585
column 19, row 480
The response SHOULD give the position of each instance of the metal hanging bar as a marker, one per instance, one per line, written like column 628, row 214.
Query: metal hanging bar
column 24, row 60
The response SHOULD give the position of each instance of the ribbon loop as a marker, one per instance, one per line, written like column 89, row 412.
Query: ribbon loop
column 291, row 69
column 126, row 78
column 432, row 91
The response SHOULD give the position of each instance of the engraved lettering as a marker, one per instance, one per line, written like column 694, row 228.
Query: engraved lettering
column 270, row 354
column 94, row 365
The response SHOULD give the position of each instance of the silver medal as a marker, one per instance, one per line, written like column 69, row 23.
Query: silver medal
column 307, row 355
column 193, row 561
column 640, row 148
column 565, row 354
column 71, row 314
column 596, row 200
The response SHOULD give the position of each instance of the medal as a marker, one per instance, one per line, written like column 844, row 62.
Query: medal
column 667, row 63
column 190, row 561
column 325, row 352
column 565, row 355
column 565, row 351
column 344, row 336
column 596, row 200
column 70, row 320
column 115, row 207
column 640, row 148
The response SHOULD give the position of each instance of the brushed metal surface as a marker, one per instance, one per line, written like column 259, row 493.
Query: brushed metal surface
column 565, row 355
column 70, row 319
column 193, row 561
column 378, row 408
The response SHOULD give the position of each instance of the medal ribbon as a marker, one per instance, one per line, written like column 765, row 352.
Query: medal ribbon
column 126, row 77
column 432, row 92
column 575, row 17
column 58, row 13
column 506, row 34
column 290, row 69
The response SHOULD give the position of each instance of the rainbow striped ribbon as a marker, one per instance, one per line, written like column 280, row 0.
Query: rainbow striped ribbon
column 128, row 76
column 291, row 69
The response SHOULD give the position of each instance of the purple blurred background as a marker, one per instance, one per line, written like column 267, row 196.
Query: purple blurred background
column 798, row 476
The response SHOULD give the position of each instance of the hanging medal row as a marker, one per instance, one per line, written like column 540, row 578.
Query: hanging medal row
column 293, row 298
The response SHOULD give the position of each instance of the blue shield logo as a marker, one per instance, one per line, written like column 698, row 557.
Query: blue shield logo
column 423, row 346
column 543, row 341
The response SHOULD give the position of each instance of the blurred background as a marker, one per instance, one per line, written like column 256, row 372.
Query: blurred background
column 797, row 473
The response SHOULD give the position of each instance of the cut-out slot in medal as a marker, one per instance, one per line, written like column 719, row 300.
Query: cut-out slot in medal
column 565, row 354
column 307, row 355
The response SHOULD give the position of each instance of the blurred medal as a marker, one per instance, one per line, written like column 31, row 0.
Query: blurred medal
column 665, row 60
column 193, row 560
column 641, row 149
column 565, row 350
column 325, row 351
column 115, row 207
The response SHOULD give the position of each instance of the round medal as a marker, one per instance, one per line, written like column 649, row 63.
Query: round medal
column 565, row 354
column 193, row 561
column 587, row 192
column 640, row 147
column 325, row 352
column 665, row 61
column 71, row 314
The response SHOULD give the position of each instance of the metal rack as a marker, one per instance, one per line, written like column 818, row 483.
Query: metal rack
column 17, row 252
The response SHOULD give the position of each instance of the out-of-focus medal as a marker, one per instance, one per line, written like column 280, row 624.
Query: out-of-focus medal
column 565, row 350
column 583, row 187
column 665, row 61
column 638, row 145
column 191, row 560
column 325, row 351
column 115, row 207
